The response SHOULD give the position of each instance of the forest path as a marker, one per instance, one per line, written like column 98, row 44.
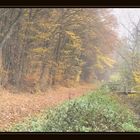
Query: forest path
column 15, row 107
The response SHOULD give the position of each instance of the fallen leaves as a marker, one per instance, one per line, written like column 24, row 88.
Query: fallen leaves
column 15, row 107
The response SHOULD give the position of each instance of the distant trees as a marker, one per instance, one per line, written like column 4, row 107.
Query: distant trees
column 99, row 44
column 45, row 47
column 128, row 57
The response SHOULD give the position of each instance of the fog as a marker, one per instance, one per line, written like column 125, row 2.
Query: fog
column 126, row 16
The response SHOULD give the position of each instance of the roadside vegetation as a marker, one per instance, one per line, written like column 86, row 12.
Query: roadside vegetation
column 97, row 111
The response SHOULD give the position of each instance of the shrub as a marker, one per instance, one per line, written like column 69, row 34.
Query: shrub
column 94, row 112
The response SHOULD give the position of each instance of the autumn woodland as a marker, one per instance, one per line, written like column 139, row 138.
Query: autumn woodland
column 72, row 63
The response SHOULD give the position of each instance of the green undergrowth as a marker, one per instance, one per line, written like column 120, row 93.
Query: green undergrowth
column 97, row 111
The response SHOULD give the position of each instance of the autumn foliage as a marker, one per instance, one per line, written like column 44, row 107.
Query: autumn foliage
column 57, row 46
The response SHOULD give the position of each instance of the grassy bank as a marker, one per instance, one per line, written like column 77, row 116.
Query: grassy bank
column 97, row 111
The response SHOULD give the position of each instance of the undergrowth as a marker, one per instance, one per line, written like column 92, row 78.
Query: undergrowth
column 97, row 111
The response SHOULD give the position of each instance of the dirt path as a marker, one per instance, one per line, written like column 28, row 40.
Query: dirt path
column 15, row 107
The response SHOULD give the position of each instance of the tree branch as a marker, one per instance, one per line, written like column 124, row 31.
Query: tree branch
column 10, row 30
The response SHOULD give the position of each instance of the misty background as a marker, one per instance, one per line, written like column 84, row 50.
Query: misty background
column 125, row 16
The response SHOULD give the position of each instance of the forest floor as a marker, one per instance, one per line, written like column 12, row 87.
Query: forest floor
column 16, row 107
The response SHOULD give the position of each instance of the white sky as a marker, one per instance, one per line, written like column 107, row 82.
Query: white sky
column 123, row 16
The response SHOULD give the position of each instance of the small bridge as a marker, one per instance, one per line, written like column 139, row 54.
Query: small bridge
column 121, row 89
column 126, row 92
